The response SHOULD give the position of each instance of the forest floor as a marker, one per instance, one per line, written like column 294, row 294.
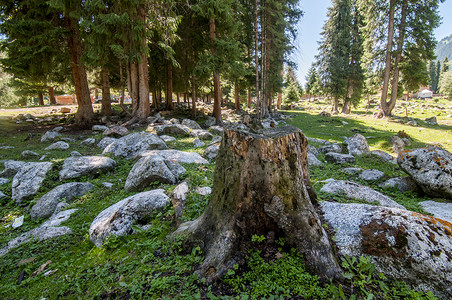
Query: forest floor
column 146, row 264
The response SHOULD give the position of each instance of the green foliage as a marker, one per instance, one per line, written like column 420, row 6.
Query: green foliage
column 445, row 83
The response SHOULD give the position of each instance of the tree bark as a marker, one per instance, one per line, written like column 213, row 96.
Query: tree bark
column 169, row 87
column 335, row 107
column 84, row 115
column 249, row 98
column 279, row 101
column 52, row 95
column 40, row 99
column 193, row 100
column 216, row 77
column 261, row 187
column 106, row 98
column 236, row 96
column 346, row 107
column 395, row 75
column 387, row 73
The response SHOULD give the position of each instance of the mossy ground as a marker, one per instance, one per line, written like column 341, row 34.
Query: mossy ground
column 146, row 264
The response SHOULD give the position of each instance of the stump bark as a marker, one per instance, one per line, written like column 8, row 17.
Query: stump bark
column 261, row 186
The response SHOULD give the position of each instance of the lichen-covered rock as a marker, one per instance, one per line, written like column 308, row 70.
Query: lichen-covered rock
column 357, row 145
column 176, row 156
column 313, row 161
column 74, row 167
column 58, row 146
column 88, row 142
column 173, row 129
column 118, row 218
column 438, row 209
column 50, row 136
column 398, row 145
column 334, row 148
column 191, row 124
column 46, row 206
column 152, row 168
column 116, row 131
column 404, row 184
column 211, row 152
column 28, row 180
column 403, row 245
column 201, row 134
column 197, row 143
column 371, row 175
column 105, row 142
column 339, row 158
column 131, row 145
column 430, row 168
column 12, row 167
column 47, row 230
column 359, row 192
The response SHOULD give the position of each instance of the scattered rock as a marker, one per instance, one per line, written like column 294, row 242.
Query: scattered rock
column 359, row 192
column 173, row 129
column 44, row 232
column 58, row 129
column 152, row 168
column 118, row 218
column 218, row 130
column 372, row 175
column 431, row 121
column 384, row 156
column 4, row 181
column 319, row 141
column 58, row 146
column 210, row 122
column 50, row 136
column 401, row 244
column 29, row 154
column 204, row 191
column 357, row 145
column 88, row 142
column 313, row 150
column 74, row 167
column 404, row 184
column 2, row 195
column 439, row 210
column 100, row 128
column 46, row 206
column 430, row 168
column 191, row 124
column 352, row 171
column 181, row 157
column 103, row 143
column 75, row 154
column 28, row 180
column 339, row 158
column 167, row 138
column 108, row 185
column 313, row 161
column 397, row 144
column 333, row 148
column 131, row 145
column 198, row 143
column 116, row 131
column 12, row 167
column 18, row 222
column 178, row 199
column 201, row 134
column 211, row 152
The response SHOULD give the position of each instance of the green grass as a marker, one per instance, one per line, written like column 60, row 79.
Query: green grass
column 146, row 264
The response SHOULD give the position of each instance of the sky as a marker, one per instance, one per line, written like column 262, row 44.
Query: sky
column 314, row 17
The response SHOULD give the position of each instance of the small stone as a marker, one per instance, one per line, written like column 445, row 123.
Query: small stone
column 211, row 152
column 167, row 138
column 203, row 191
column 88, row 141
column 116, row 131
column 313, row 161
column 58, row 129
column 29, row 154
column 75, row 154
column 198, row 143
column 397, row 144
column 50, row 136
column 108, row 185
column 191, row 124
column 351, row 171
column 371, row 175
column 18, row 222
column 101, row 128
column 339, row 158
column 58, row 146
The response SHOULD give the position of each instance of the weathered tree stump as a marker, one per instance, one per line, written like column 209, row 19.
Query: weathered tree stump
column 261, row 185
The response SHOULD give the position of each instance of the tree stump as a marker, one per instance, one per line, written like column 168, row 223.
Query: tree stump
column 261, row 185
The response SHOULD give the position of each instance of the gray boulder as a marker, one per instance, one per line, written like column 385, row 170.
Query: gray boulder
column 58, row 146
column 88, row 142
column 313, row 150
column 4, row 181
column 201, row 134
column 218, row 130
column 191, row 124
column 430, row 168
column 176, row 156
column 28, row 180
column 313, row 161
column 173, row 129
column 116, row 131
column 103, row 143
column 359, row 192
column 404, row 184
column 118, row 218
column 74, row 167
column 383, row 156
column 167, row 138
column 372, row 175
column 431, row 121
column 75, row 154
column 47, row 230
column 203, row 191
column 398, row 145
column 29, row 154
column 50, row 136
column 357, row 145
column 352, row 171
column 100, row 128
column 152, row 168
column 333, row 148
column 131, row 145
column 46, row 206
column 402, row 244
column 339, row 158
column 439, row 210
column 198, row 143
column 318, row 141
column 211, row 152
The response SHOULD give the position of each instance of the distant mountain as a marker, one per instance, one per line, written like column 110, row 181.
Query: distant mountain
column 444, row 48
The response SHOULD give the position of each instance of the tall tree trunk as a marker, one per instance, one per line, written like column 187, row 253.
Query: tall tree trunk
column 123, row 89
column 335, row 107
column 193, row 100
column 169, row 87
column 395, row 75
column 154, row 99
column 256, row 55
column 40, row 99
column 387, row 73
column 236, row 96
column 84, row 115
column 249, row 98
column 279, row 101
column 106, row 99
column 261, row 187
column 178, row 98
column 346, row 107
column 51, row 95
column 216, row 77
